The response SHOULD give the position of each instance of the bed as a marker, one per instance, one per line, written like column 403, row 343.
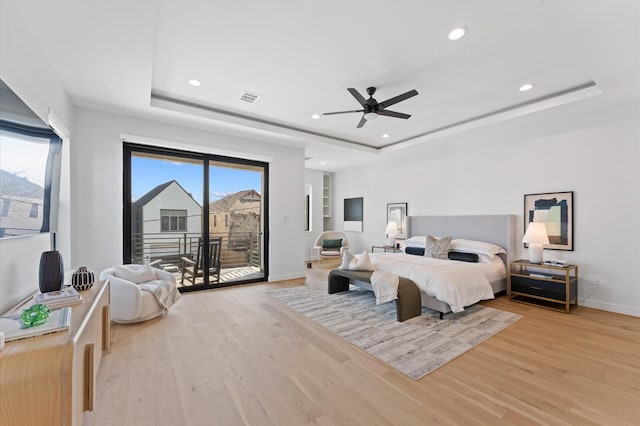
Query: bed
column 498, row 230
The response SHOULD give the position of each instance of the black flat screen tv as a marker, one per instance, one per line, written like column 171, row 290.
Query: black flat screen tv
column 30, row 159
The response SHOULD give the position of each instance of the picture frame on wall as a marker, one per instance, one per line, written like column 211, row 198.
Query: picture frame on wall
column 353, row 214
column 555, row 210
column 397, row 212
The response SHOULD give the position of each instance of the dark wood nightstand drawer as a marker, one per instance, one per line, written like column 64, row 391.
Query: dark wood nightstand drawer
column 540, row 288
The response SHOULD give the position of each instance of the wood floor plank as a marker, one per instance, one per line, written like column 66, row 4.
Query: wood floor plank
column 236, row 356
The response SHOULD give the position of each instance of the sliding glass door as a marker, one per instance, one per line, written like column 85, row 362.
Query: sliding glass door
column 200, row 217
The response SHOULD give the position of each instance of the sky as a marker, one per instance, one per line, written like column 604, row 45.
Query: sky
column 147, row 173
column 24, row 156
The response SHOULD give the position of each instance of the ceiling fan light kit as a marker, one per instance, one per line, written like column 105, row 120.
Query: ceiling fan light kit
column 371, row 108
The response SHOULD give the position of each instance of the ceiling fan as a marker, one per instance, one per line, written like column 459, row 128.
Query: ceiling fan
column 372, row 108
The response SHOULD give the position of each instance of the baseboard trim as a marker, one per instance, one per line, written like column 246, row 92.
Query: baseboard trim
column 611, row 307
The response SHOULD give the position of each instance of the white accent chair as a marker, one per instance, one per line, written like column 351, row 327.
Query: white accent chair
column 331, row 253
column 129, row 303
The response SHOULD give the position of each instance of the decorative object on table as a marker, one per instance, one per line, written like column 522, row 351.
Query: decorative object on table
column 51, row 276
column 391, row 231
column 353, row 215
column 555, row 210
column 56, row 299
column 397, row 212
column 11, row 326
column 82, row 279
column 34, row 316
column 536, row 237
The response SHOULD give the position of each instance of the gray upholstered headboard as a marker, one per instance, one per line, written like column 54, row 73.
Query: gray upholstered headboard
column 496, row 229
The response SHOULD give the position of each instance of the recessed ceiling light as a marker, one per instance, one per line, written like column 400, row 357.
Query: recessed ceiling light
column 195, row 82
column 315, row 116
column 385, row 135
column 323, row 162
column 457, row 33
column 525, row 87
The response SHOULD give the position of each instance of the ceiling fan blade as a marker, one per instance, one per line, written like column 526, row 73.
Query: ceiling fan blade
column 397, row 99
column 358, row 96
column 393, row 114
column 361, row 123
column 342, row 112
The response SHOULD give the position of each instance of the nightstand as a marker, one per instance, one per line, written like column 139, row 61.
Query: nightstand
column 385, row 249
column 552, row 287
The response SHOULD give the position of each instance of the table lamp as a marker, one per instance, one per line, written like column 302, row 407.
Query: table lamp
column 391, row 231
column 536, row 236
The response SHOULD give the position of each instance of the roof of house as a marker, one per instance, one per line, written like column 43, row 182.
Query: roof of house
column 225, row 204
column 17, row 186
column 156, row 191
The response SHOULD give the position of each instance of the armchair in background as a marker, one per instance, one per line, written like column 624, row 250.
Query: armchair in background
column 331, row 245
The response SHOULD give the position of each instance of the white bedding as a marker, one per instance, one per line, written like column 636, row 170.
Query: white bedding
column 456, row 283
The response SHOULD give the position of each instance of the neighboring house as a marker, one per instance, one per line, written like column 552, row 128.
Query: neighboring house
column 236, row 217
column 21, row 205
column 164, row 220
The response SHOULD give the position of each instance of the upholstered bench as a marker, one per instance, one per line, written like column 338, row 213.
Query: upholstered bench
column 408, row 303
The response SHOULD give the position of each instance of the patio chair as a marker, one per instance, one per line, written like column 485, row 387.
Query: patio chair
column 193, row 268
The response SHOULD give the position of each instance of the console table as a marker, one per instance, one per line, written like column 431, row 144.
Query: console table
column 49, row 380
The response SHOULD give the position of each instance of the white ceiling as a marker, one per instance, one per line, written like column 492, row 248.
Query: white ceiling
column 135, row 57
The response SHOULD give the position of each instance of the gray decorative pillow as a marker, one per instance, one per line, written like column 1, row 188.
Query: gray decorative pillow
column 437, row 248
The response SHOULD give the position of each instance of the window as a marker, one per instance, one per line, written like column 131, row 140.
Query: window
column 173, row 220
column 215, row 220
column 226, row 220
column 30, row 158
column 34, row 210
column 6, row 204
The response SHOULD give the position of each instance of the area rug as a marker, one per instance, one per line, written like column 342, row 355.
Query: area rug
column 415, row 347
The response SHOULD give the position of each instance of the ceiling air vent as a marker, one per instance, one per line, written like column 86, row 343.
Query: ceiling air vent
column 249, row 97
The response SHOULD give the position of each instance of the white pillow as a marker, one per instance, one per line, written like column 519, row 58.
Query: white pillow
column 417, row 241
column 361, row 262
column 477, row 247
column 347, row 257
column 135, row 273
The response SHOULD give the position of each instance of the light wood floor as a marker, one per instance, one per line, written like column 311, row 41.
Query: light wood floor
column 235, row 356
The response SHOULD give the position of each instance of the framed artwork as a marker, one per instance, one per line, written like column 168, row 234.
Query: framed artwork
column 353, row 214
column 555, row 209
column 397, row 212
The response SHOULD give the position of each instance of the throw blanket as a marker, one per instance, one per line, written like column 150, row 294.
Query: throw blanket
column 166, row 293
column 385, row 286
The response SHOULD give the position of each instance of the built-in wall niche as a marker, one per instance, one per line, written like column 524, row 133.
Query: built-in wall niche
column 326, row 202
column 30, row 160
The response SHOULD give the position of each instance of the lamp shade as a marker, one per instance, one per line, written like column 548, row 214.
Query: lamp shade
column 536, row 234
column 392, row 229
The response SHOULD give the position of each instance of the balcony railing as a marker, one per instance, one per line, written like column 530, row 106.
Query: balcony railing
column 239, row 249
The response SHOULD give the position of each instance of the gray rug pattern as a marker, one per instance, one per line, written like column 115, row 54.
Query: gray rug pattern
column 415, row 347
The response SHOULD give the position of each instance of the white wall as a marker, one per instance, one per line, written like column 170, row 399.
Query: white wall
column 98, row 181
column 26, row 70
column 488, row 171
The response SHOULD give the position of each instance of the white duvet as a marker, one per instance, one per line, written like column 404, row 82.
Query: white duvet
column 456, row 283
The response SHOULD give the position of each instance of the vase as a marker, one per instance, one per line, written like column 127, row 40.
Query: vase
column 82, row 279
column 51, row 271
